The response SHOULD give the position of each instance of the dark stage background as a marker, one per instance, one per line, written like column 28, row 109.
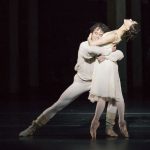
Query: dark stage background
column 39, row 41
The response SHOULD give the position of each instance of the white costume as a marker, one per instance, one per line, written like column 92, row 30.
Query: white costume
column 81, row 84
column 106, row 80
column 82, row 80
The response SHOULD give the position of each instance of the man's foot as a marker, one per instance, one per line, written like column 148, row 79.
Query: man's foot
column 123, row 129
column 94, row 126
column 110, row 132
column 30, row 130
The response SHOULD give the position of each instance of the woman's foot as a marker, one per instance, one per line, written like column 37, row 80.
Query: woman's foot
column 94, row 126
column 123, row 129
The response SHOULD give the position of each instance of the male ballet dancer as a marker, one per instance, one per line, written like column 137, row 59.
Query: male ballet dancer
column 81, row 84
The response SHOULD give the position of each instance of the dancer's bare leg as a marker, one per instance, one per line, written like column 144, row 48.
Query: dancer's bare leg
column 95, row 122
column 122, row 122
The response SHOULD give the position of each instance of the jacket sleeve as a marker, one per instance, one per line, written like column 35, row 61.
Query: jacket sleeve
column 115, row 56
column 89, row 51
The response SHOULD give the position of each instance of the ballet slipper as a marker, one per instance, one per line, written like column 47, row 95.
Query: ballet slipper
column 123, row 129
column 94, row 126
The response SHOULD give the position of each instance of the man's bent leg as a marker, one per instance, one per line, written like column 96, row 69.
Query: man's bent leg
column 69, row 95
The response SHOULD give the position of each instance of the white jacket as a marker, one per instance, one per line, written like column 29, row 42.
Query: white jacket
column 87, row 55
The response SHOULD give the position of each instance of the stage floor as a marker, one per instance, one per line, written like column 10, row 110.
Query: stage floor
column 69, row 129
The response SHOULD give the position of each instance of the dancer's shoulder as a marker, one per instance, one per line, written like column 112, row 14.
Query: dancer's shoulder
column 84, row 43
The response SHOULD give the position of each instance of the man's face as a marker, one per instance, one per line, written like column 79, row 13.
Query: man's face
column 97, row 33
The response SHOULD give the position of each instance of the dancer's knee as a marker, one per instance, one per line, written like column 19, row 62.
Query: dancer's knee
column 60, row 105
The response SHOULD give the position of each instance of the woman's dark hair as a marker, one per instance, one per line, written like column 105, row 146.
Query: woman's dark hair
column 100, row 25
column 132, row 32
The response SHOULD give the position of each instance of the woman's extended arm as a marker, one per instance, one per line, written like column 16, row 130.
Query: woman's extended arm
column 109, row 38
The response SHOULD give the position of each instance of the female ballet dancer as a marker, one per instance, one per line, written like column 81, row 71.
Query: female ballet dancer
column 106, row 84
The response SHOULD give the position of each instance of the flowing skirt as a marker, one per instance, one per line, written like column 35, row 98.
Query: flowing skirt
column 105, row 81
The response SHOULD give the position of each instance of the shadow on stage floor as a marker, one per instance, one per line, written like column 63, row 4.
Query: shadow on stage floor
column 69, row 129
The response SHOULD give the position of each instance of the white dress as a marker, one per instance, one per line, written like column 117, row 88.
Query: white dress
column 105, row 81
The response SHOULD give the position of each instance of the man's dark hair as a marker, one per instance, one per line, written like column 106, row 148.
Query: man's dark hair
column 100, row 25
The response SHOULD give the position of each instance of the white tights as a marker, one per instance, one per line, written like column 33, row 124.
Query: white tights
column 77, row 88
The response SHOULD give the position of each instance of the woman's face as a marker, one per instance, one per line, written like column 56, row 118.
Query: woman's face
column 97, row 33
column 129, row 22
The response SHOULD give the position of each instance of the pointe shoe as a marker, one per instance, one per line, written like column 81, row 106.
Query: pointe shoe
column 93, row 129
column 123, row 129
column 30, row 130
column 110, row 132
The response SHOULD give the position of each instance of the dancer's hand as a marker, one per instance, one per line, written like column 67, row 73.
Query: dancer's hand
column 89, row 38
column 101, row 58
column 114, row 49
